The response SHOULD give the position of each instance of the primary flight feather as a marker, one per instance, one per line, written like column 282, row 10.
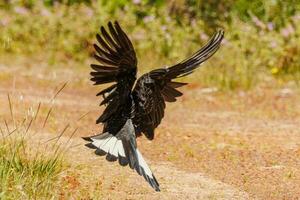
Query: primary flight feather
column 129, row 111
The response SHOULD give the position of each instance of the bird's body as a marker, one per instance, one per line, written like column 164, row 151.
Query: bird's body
column 133, row 111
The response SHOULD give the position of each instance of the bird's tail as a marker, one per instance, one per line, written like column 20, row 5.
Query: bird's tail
column 122, row 147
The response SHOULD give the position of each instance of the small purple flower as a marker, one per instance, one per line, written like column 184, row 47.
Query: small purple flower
column 89, row 12
column 4, row 21
column 285, row 32
column 273, row 44
column 136, row 1
column 270, row 26
column 45, row 12
column 163, row 27
column 258, row 23
column 291, row 29
column 296, row 18
column 149, row 18
column 21, row 10
column 203, row 36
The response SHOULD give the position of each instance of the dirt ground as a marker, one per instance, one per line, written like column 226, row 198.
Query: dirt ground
column 210, row 145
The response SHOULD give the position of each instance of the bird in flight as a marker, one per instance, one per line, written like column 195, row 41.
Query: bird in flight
column 132, row 110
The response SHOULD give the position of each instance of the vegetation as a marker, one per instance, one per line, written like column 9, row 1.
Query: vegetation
column 34, row 152
column 28, row 176
column 261, row 42
column 247, row 139
column 26, row 171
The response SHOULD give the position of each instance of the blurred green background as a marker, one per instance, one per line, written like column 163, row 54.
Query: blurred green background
column 261, row 45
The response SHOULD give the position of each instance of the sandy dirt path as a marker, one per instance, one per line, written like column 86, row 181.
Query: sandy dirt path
column 228, row 143
column 122, row 182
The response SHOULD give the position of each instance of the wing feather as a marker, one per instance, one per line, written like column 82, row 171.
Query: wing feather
column 102, row 68
column 156, row 87
column 107, row 90
column 106, row 54
column 118, row 65
column 108, row 38
column 105, row 45
column 105, row 60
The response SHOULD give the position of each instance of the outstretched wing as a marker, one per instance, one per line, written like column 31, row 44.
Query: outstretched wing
column 118, row 65
column 156, row 87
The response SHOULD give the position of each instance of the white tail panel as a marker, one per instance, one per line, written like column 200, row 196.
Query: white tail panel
column 143, row 164
column 110, row 145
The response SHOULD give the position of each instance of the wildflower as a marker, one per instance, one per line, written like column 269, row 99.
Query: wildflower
column 296, row 18
column 287, row 31
column 149, row 18
column 45, row 12
column 89, row 12
column 258, row 23
column 164, row 28
column 274, row 70
column 4, row 21
column 273, row 44
column 270, row 26
column 203, row 36
column 136, row 1
column 21, row 10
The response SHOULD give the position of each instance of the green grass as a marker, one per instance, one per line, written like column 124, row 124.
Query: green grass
column 30, row 167
column 27, row 175
column 33, row 163
column 260, row 45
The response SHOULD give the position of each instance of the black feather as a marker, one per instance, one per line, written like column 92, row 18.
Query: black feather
column 87, row 139
column 167, row 96
column 91, row 146
column 111, row 158
column 109, row 89
column 106, row 61
column 107, row 55
column 104, row 74
column 102, row 68
column 129, row 111
column 176, row 84
column 123, row 161
column 172, row 91
column 108, row 98
column 102, row 80
column 100, row 152
column 109, row 110
column 105, row 46
column 109, row 39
